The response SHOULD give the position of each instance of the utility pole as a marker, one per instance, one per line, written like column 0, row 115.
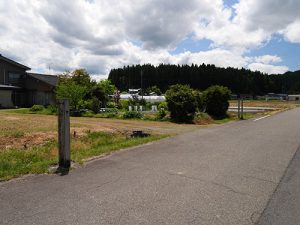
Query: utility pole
column 242, row 106
column 64, row 133
column 142, row 83
column 239, row 108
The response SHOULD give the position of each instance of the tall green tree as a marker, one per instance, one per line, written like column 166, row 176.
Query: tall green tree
column 72, row 91
column 239, row 81
column 181, row 102
column 108, row 87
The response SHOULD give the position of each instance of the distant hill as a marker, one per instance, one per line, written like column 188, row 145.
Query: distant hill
column 202, row 76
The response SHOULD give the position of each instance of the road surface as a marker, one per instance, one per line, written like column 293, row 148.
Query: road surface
column 221, row 175
column 283, row 207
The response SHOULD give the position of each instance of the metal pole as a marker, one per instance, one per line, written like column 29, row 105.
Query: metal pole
column 242, row 104
column 239, row 108
column 64, row 133
column 142, row 83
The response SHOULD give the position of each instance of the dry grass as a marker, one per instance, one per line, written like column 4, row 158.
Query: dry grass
column 28, row 142
column 26, row 130
column 277, row 105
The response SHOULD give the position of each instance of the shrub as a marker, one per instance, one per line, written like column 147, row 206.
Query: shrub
column 202, row 118
column 111, row 105
column 162, row 105
column 124, row 104
column 215, row 100
column 52, row 108
column 36, row 108
column 95, row 105
column 153, row 89
column 161, row 114
column 132, row 115
column 181, row 103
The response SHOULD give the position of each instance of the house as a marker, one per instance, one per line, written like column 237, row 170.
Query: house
column 20, row 88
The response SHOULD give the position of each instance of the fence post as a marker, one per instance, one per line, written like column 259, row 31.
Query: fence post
column 64, row 133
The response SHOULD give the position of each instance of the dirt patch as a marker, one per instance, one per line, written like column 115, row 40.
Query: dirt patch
column 29, row 140
column 26, row 141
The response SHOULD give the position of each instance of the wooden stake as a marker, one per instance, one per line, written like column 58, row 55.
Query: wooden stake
column 64, row 133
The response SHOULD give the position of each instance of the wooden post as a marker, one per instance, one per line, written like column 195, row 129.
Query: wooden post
column 64, row 133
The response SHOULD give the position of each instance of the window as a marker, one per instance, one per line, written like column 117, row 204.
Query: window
column 14, row 78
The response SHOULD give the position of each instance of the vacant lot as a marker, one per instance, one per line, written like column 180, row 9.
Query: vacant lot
column 17, row 130
column 28, row 142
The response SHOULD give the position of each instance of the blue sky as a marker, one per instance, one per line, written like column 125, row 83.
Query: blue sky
column 277, row 45
column 288, row 52
column 100, row 35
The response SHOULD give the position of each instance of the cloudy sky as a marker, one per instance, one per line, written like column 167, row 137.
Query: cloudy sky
column 99, row 35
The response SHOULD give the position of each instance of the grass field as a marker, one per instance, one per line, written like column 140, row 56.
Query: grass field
column 28, row 142
column 276, row 104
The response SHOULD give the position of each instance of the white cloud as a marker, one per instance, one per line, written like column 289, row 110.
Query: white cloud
column 99, row 35
column 292, row 32
column 271, row 16
column 269, row 69
column 266, row 59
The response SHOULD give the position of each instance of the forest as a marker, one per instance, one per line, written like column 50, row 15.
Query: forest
column 239, row 81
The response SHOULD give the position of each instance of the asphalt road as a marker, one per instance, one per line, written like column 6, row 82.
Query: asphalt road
column 222, row 175
column 283, row 207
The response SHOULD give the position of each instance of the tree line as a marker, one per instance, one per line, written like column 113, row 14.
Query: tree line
column 239, row 81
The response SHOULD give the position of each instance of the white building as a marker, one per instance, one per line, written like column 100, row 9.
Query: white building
column 293, row 97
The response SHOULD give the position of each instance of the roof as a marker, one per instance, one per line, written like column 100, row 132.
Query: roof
column 13, row 62
column 49, row 79
column 2, row 86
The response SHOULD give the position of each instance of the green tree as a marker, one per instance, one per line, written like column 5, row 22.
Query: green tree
column 181, row 103
column 108, row 87
column 74, row 92
column 82, row 77
column 153, row 89
column 215, row 100
column 99, row 92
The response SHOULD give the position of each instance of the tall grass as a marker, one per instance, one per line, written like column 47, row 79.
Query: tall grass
column 17, row 162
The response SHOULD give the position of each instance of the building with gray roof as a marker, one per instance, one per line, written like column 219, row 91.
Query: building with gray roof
column 20, row 88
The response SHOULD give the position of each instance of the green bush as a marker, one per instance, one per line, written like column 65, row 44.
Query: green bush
column 153, row 89
column 216, row 101
column 161, row 114
column 162, row 105
column 132, row 115
column 37, row 108
column 95, row 105
column 124, row 104
column 111, row 105
column 52, row 108
column 181, row 103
